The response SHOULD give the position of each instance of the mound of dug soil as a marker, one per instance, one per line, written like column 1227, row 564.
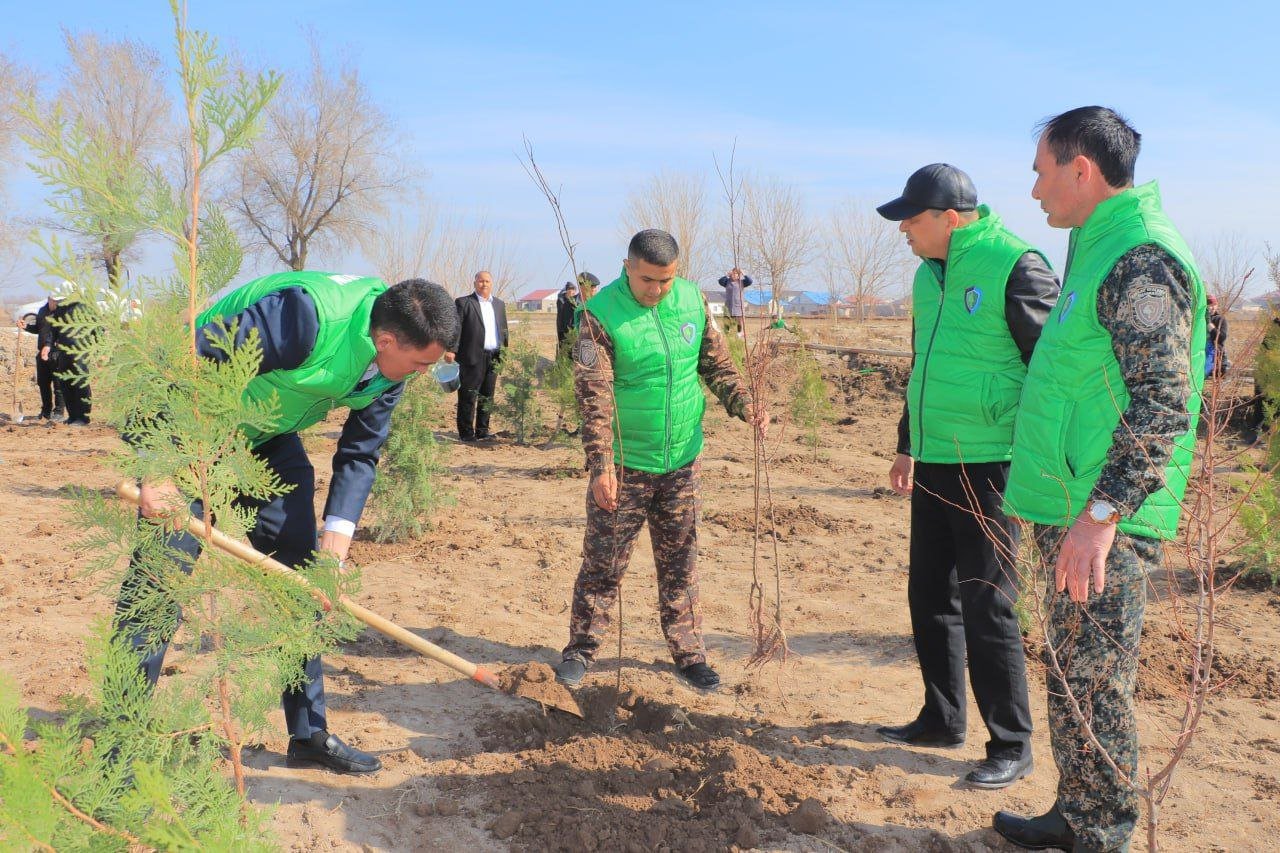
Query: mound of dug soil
column 794, row 519
column 537, row 681
column 645, row 775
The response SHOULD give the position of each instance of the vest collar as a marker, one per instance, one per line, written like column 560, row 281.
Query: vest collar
column 1130, row 202
column 963, row 239
column 966, row 236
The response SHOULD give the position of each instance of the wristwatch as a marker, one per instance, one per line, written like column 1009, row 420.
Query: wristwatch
column 1101, row 512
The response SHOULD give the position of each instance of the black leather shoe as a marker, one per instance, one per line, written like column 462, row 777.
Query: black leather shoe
column 700, row 676
column 916, row 733
column 1049, row 831
column 324, row 748
column 999, row 772
column 570, row 671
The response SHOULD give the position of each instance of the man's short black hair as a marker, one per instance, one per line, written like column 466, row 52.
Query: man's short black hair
column 1099, row 133
column 418, row 312
column 654, row 246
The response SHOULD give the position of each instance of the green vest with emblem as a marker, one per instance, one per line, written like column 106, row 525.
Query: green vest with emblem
column 655, row 374
column 962, row 398
column 1075, row 394
column 342, row 353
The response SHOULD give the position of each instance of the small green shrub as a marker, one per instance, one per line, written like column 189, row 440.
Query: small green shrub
column 516, row 401
column 811, row 408
column 410, row 485
column 557, row 382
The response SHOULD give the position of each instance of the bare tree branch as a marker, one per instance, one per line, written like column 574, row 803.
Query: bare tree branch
column 15, row 84
column 324, row 170
column 1226, row 262
column 778, row 236
column 864, row 255
column 113, row 92
column 676, row 203
column 441, row 248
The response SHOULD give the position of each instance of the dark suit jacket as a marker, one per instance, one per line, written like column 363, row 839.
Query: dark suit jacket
column 471, row 341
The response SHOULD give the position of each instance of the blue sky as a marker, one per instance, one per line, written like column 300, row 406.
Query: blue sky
column 838, row 98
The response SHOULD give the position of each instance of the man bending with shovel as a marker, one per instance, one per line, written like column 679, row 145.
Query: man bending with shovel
column 643, row 343
column 328, row 341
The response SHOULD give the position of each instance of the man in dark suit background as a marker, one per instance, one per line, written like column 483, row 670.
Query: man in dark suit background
column 483, row 320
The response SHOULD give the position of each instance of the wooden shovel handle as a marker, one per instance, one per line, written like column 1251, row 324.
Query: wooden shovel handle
column 129, row 492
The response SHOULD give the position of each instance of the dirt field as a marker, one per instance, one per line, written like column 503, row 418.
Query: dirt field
column 782, row 758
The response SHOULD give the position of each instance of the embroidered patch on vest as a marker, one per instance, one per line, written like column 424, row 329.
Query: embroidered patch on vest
column 1066, row 306
column 972, row 299
column 687, row 332
column 585, row 352
column 1150, row 304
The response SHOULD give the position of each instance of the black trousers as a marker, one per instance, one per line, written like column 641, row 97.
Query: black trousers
column 77, row 395
column 286, row 528
column 50, row 388
column 475, row 386
column 961, row 592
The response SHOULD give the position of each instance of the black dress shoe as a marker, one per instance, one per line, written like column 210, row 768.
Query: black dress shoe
column 324, row 748
column 999, row 772
column 1049, row 831
column 916, row 733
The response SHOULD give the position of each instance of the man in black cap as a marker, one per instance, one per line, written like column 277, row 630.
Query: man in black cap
column 566, row 308
column 980, row 299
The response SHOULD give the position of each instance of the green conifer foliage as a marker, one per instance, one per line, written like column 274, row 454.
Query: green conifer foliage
column 558, row 383
column 410, row 486
column 1260, row 515
column 810, row 402
column 516, row 401
column 128, row 768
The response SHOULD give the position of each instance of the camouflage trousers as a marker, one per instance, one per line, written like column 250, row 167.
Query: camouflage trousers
column 1096, row 645
column 671, row 503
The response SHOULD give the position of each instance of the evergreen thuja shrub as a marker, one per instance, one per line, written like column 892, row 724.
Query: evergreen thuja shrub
column 411, row 485
column 130, row 768
column 810, row 402
column 1260, row 515
column 516, row 400
column 557, row 382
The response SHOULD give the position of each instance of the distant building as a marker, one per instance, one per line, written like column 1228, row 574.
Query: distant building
column 806, row 303
column 538, row 300
column 858, row 307
column 715, row 302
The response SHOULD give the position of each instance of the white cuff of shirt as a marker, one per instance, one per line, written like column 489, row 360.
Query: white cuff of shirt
column 339, row 525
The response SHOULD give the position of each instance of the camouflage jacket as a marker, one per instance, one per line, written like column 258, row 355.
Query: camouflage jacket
column 1155, row 362
column 593, row 382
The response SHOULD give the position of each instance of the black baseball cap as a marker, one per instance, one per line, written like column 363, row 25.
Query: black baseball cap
column 938, row 186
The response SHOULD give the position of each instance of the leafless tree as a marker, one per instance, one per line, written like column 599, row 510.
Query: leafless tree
column 864, row 255
column 779, row 238
column 1226, row 263
column 676, row 203
column 15, row 84
column 112, row 92
column 444, row 249
column 323, row 170
column 731, row 189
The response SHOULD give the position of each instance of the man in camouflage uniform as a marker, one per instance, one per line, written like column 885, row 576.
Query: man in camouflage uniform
column 643, row 343
column 1102, row 453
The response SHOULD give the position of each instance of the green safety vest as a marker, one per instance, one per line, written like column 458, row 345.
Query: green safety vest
column 655, row 374
column 343, row 350
column 962, row 398
column 1075, row 394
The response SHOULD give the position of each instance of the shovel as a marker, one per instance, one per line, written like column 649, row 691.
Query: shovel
column 15, row 413
column 129, row 492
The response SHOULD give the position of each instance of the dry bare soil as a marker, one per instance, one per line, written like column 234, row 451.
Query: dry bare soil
column 783, row 758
